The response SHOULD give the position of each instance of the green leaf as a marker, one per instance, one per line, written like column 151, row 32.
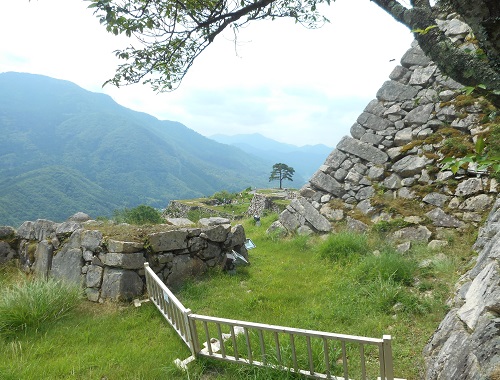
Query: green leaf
column 480, row 145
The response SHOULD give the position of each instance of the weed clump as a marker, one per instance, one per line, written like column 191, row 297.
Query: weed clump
column 32, row 303
column 343, row 244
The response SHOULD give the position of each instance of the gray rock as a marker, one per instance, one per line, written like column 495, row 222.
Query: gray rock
column 415, row 57
column 289, row 220
column 67, row 227
column 362, row 150
column 410, row 165
column 447, row 95
column 468, row 122
column 441, row 219
column 483, row 294
column 304, row 231
column 168, row 240
column 335, row 159
column 356, row 225
column 124, row 246
column 340, row 175
column 330, row 213
column 79, row 217
column 183, row 267
column 398, row 73
column 92, row 240
column 134, row 260
column 276, row 228
column 6, row 252
column 453, row 27
column 210, row 251
column 43, row 259
column 357, row 131
column 421, row 75
column 392, row 182
column 481, row 202
column 437, row 244
column 365, row 207
column 217, row 234
column 93, row 278
column 376, row 173
column 327, row 183
column 403, row 136
column 436, row 199
column 392, row 91
column 7, row 232
column 469, row 187
column 67, row 265
column 419, row 115
column 418, row 233
column 310, row 214
column 365, row 193
column 375, row 107
column 373, row 122
column 121, row 285
column 406, row 193
column 372, row 138
column 403, row 247
column 93, row 294
column 179, row 222
column 447, row 113
column 213, row 221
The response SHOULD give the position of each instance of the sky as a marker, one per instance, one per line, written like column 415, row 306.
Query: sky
column 279, row 79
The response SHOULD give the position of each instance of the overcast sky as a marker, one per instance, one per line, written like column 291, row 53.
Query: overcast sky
column 286, row 82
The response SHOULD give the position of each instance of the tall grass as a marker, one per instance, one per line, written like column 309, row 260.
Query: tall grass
column 32, row 303
column 344, row 244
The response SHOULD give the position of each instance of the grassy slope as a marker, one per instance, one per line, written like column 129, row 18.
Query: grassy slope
column 288, row 283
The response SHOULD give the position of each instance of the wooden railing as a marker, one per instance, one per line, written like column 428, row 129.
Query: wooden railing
column 168, row 304
column 315, row 354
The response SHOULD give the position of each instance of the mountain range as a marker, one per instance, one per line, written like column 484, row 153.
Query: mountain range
column 305, row 160
column 65, row 149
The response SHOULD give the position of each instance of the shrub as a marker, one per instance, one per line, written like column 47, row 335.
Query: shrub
column 139, row 215
column 343, row 244
column 31, row 303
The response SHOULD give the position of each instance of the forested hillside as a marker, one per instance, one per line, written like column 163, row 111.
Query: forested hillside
column 64, row 149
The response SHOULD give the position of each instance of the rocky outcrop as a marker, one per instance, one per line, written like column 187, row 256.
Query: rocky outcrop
column 77, row 252
column 467, row 342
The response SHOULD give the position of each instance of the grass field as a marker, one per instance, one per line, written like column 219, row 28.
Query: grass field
column 345, row 283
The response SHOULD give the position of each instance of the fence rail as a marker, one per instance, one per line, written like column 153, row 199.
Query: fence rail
column 315, row 354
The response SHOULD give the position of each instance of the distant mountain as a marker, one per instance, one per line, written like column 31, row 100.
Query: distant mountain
column 305, row 159
column 64, row 149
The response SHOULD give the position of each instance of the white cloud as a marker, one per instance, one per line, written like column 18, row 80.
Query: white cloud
column 292, row 84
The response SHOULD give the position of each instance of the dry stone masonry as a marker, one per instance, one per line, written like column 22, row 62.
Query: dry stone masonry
column 394, row 151
column 76, row 251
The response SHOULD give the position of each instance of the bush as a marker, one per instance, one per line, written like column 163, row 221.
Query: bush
column 29, row 304
column 139, row 215
column 343, row 244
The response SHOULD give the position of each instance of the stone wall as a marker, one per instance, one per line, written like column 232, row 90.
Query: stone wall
column 108, row 268
column 394, row 151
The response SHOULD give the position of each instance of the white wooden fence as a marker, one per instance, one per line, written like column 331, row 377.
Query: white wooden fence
column 315, row 354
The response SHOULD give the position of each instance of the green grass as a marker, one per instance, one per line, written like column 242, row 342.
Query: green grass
column 30, row 304
column 346, row 283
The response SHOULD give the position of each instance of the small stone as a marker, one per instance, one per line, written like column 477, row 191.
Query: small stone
column 437, row 244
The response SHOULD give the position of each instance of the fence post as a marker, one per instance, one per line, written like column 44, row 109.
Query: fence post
column 388, row 364
column 191, row 335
